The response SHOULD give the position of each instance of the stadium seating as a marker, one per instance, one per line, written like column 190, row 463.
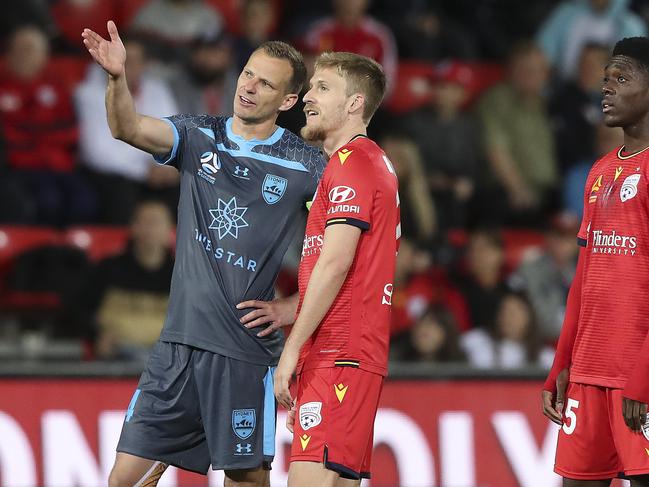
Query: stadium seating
column 485, row 75
column 72, row 16
column 127, row 9
column 14, row 241
column 17, row 239
column 518, row 244
column 415, row 85
column 98, row 242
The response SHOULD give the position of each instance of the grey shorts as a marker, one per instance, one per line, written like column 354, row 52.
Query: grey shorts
column 193, row 408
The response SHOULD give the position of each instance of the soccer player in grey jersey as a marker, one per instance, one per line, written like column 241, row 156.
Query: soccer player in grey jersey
column 206, row 396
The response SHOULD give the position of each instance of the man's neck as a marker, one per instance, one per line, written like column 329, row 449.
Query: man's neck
column 636, row 136
column 335, row 140
column 249, row 131
column 150, row 257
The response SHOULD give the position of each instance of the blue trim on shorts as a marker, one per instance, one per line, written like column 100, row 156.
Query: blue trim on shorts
column 269, row 413
column 131, row 405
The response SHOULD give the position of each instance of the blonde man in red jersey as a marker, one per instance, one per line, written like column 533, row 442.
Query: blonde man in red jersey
column 341, row 333
column 598, row 388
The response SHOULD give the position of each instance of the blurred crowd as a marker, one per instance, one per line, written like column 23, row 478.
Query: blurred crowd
column 492, row 121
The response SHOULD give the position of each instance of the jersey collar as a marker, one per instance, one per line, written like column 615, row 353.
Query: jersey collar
column 356, row 137
column 241, row 142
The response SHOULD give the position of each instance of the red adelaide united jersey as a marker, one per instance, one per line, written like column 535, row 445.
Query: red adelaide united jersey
column 358, row 187
column 614, row 311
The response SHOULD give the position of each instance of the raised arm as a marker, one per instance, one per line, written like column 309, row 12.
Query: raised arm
column 146, row 133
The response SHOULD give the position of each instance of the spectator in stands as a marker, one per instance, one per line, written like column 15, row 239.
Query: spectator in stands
column 451, row 144
column 126, row 296
column 514, row 341
column 426, row 34
column 40, row 133
column 120, row 173
column 496, row 25
column 16, row 13
column 575, row 23
column 413, row 288
column 170, row 25
column 352, row 30
column 481, row 282
column 545, row 278
column 417, row 286
column 520, row 145
column 258, row 23
column 606, row 139
column 418, row 215
column 207, row 80
column 576, row 108
column 434, row 338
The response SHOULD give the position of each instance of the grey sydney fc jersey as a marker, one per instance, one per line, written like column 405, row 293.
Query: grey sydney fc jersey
column 239, row 204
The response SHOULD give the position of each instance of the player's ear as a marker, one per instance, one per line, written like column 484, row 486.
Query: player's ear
column 288, row 102
column 357, row 103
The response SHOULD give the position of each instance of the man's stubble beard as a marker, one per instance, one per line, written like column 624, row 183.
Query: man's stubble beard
column 316, row 134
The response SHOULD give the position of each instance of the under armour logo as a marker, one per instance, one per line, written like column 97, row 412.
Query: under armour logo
column 247, row 448
column 241, row 172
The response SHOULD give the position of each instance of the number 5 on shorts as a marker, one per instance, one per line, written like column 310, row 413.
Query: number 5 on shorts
column 569, row 428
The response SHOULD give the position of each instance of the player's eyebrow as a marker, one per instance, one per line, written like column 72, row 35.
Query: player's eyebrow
column 268, row 82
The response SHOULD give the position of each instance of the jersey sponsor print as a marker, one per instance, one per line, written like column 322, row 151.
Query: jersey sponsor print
column 240, row 204
column 359, row 187
column 613, row 319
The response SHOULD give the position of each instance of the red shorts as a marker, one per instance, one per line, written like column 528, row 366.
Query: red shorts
column 334, row 421
column 594, row 442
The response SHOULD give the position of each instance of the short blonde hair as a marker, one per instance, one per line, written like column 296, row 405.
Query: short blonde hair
column 363, row 75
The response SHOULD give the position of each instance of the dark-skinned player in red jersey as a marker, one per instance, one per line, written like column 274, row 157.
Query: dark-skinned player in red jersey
column 598, row 387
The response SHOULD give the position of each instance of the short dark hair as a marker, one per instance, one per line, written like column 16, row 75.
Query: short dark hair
column 492, row 234
column 636, row 48
column 363, row 75
column 282, row 50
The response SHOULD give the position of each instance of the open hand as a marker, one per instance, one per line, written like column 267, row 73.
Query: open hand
column 110, row 55
column 283, row 374
column 279, row 313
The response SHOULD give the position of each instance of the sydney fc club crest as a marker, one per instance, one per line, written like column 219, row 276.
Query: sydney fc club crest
column 273, row 188
column 243, row 422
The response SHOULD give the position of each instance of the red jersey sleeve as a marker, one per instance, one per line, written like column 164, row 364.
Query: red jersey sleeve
column 350, row 189
column 563, row 355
